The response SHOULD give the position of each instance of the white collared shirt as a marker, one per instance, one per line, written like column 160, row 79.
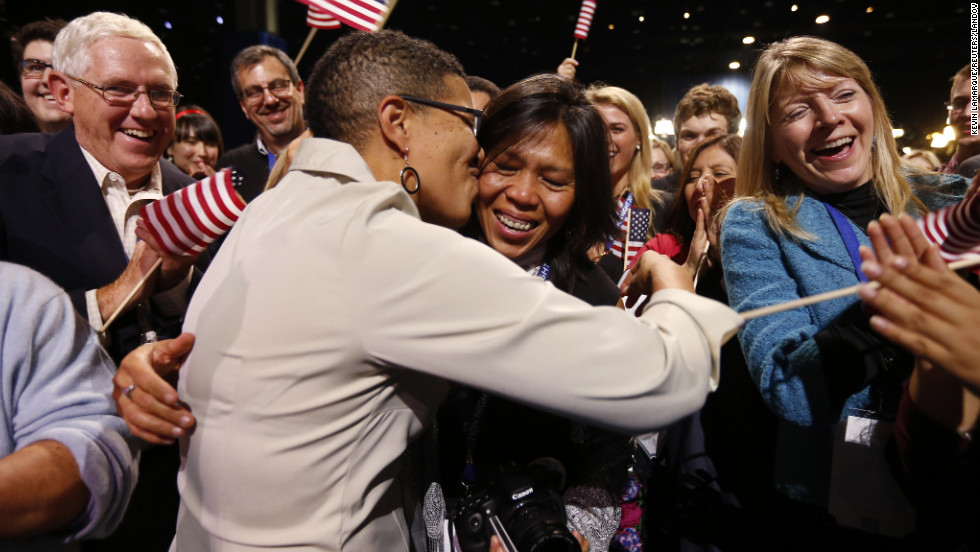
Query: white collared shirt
column 124, row 204
column 124, row 208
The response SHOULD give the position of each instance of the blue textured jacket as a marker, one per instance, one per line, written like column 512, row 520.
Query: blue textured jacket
column 763, row 268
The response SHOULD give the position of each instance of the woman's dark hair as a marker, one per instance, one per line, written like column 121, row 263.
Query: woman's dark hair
column 678, row 221
column 15, row 116
column 531, row 108
column 45, row 29
column 192, row 119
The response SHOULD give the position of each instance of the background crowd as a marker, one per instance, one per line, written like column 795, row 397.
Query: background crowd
column 440, row 282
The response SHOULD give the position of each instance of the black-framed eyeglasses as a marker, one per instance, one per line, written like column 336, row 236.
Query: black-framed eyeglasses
column 33, row 68
column 476, row 113
column 280, row 88
column 127, row 95
column 958, row 104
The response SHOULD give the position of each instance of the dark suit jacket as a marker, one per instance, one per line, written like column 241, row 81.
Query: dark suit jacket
column 252, row 165
column 54, row 219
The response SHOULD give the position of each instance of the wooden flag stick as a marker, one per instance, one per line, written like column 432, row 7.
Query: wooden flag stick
column 574, row 48
column 626, row 240
column 306, row 44
column 129, row 297
column 790, row 305
column 391, row 8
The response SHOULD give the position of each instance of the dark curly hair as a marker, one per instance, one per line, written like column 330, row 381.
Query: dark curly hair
column 360, row 69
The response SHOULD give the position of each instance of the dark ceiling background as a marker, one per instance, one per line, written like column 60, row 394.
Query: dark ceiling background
column 912, row 47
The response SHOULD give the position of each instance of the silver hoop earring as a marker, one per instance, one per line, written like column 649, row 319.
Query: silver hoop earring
column 410, row 170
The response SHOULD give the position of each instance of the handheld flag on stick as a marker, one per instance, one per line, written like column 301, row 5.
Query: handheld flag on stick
column 316, row 19
column 632, row 235
column 843, row 292
column 584, row 23
column 956, row 229
column 320, row 20
column 364, row 15
column 186, row 221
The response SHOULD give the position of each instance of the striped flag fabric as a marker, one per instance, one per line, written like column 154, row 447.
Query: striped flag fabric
column 186, row 221
column 955, row 228
column 319, row 19
column 364, row 15
column 585, row 19
column 638, row 222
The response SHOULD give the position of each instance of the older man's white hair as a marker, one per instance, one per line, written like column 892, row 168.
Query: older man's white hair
column 71, row 56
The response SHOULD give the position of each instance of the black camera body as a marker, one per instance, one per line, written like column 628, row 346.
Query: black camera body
column 519, row 505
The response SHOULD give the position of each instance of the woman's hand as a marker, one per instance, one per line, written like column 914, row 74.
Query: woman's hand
column 568, row 68
column 700, row 242
column 922, row 305
column 150, row 407
column 200, row 169
column 652, row 273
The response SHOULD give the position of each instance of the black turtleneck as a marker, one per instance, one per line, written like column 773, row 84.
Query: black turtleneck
column 862, row 205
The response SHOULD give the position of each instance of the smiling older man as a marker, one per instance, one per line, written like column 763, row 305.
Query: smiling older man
column 69, row 201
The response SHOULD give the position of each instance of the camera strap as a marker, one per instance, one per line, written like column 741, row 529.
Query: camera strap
column 468, row 477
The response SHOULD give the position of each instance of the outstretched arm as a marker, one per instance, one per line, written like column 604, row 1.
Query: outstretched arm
column 928, row 309
column 922, row 305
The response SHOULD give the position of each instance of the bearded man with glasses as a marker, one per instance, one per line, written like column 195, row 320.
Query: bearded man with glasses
column 270, row 93
column 69, row 205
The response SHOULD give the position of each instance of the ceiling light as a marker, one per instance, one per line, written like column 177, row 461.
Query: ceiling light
column 869, row 10
column 898, row 132
column 748, row 40
column 794, row 7
column 906, row 150
column 821, row 19
column 663, row 127
column 611, row 26
column 687, row 15
column 734, row 65
column 641, row 19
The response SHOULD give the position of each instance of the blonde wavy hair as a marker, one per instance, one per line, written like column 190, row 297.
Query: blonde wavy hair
column 805, row 61
column 641, row 167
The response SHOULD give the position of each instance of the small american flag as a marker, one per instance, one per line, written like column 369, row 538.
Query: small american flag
column 955, row 228
column 186, row 221
column 364, row 15
column 319, row 19
column 637, row 222
column 585, row 19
